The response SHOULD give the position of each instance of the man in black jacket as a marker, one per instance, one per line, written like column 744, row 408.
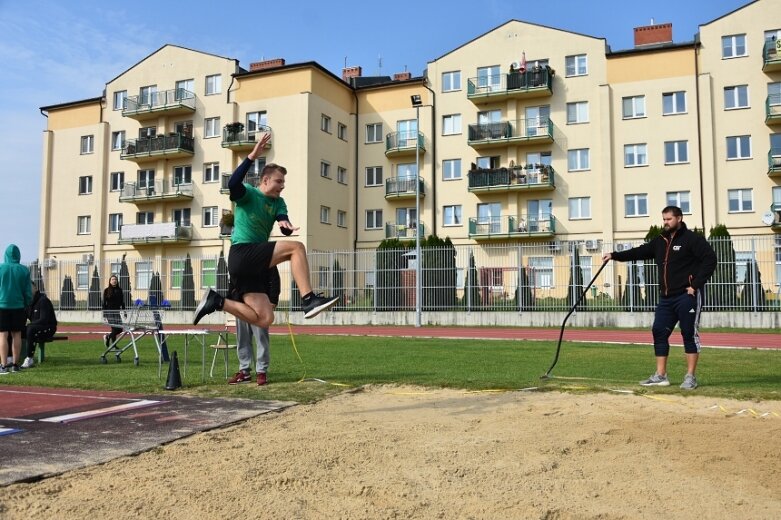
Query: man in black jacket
column 42, row 326
column 685, row 261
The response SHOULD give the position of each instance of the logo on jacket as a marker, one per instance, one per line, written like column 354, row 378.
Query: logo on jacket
column 676, row 248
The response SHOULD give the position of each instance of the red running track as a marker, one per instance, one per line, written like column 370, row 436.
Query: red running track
column 708, row 339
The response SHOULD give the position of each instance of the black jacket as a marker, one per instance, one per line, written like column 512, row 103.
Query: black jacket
column 42, row 311
column 113, row 299
column 684, row 258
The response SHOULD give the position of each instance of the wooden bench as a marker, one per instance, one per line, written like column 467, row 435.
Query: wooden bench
column 41, row 346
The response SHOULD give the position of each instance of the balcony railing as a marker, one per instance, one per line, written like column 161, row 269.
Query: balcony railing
column 774, row 162
column 775, row 208
column 522, row 131
column 176, row 101
column 170, row 146
column 403, row 143
column 251, row 178
column 771, row 56
column 154, row 233
column 404, row 231
column 773, row 109
column 535, row 82
column 160, row 190
column 236, row 138
column 504, row 227
column 535, row 177
column 403, row 187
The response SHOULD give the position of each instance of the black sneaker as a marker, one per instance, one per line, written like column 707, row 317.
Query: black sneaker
column 4, row 370
column 15, row 368
column 317, row 303
column 210, row 302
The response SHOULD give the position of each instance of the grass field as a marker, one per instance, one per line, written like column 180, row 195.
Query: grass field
column 344, row 361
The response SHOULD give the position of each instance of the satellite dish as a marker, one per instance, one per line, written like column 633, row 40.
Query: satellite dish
column 768, row 218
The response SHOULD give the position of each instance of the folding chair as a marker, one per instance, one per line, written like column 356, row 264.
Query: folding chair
column 223, row 342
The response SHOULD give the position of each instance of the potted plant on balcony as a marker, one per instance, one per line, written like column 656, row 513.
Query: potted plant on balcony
column 226, row 223
column 233, row 130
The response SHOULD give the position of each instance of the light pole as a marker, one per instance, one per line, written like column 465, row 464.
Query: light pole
column 417, row 102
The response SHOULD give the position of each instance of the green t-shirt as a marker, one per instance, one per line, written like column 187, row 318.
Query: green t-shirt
column 255, row 216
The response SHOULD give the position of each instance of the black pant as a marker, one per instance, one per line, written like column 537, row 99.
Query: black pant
column 38, row 333
column 683, row 310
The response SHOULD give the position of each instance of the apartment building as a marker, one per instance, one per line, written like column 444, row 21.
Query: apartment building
column 526, row 134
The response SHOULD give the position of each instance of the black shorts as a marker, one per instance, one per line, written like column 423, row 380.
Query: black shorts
column 13, row 320
column 248, row 266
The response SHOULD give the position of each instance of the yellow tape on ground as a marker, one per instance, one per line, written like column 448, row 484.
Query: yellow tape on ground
column 295, row 350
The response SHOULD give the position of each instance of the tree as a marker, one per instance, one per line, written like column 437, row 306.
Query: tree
column 439, row 273
column 471, row 289
column 338, row 285
column 651, row 273
column 631, row 299
column 68, row 295
column 95, row 298
column 223, row 279
column 723, row 284
column 523, row 294
column 37, row 276
column 752, row 297
column 390, row 264
column 575, row 288
column 124, row 283
column 155, row 290
column 188, row 285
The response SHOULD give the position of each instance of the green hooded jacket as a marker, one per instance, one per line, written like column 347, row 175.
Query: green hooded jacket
column 15, row 285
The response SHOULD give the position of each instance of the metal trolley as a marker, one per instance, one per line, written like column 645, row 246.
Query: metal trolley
column 135, row 323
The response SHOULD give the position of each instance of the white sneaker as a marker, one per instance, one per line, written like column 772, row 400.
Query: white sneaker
column 28, row 363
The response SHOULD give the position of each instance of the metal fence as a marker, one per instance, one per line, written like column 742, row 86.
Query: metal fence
column 496, row 277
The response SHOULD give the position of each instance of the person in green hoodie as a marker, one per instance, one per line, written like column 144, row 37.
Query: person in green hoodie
column 15, row 295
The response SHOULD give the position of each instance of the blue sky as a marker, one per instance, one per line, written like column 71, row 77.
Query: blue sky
column 53, row 52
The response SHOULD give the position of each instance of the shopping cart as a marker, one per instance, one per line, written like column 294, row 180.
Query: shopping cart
column 135, row 323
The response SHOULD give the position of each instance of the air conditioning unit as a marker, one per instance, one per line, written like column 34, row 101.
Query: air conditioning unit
column 592, row 245
column 50, row 263
column 623, row 246
column 87, row 258
column 555, row 246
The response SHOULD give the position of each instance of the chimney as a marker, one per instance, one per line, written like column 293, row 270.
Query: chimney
column 653, row 34
column 351, row 72
column 401, row 76
column 267, row 64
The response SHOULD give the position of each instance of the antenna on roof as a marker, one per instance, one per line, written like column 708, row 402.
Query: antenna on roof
column 652, row 20
column 379, row 65
column 345, row 62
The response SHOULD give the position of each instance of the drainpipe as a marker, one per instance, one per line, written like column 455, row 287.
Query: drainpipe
column 699, row 130
column 433, row 156
column 357, row 181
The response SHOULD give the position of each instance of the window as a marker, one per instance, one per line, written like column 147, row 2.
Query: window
column 741, row 200
column 213, row 84
column 341, row 131
column 374, row 133
column 452, row 215
column 211, row 172
column 407, row 171
column 733, row 46
column 82, row 276
column 208, row 273
column 146, row 179
column 118, row 140
column 184, row 128
column 183, row 175
column 540, row 272
column 143, row 275
column 148, row 95
column 255, row 121
column 374, row 176
column 117, row 181
column 577, row 112
column 210, row 216
column 211, row 127
column 145, row 217
column 374, row 219
column 578, row 160
column 177, row 273
column 576, row 65
column 682, row 199
column 341, row 175
column 676, row 152
column 633, row 107
column 325, row 215
column 87, row 144
column 489, row 217
column 325, row 123
column 451, row 124
column 114, row 222
column 488, row 162
column 325, row 170
column 489, row 78
column 85, row 185
column 181, row 216
column 635, row 155
column 147, row 132
column 636, row 205
column 184, row 89
column 120, row 98
column 341, row 218
column 451, row 81
column 451, row 169
column 739, row 147
column 735, row 97
column 579, row 208
column 774, row 94
column 84, row 224
column 673, row 103
column 406, row 217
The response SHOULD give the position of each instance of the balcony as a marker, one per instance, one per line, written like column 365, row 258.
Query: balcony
column 531, row 177
column 510, row 227
column 234, row 137
column 774, row 162
column 164, row 232
column 398, row 144
column 171, row 146
column 404, row 231
column 533, row 83
column 251, row 178
column 160, row 191
column 776, row 209
column 523, row 132
column 169, row 102
column 403, row 187
column 773, row 109
column 771, row 56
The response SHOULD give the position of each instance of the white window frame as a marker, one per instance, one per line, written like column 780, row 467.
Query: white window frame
column 451, row 124
column 639, row 154
column 451, row 81
column 676, row 152
column 211, row 172
column 373, row 176
column 730, row 45
column 144, row 274
column 325, row 123
column 82, row 276
column 117, row 180
column 682, row 199
column 373, row 219
column 452, row 215
column 542, row 274
column 120, row 96
column 341, row 131
column 579, row 159
column 118, row 140
column 676, row 98
column 325, row 215
column 577, row 112
column 183, row 173
column 741, row 142
column 208, row 272
column 341, row 175
column 576, row 65
column 744, row 199
column 182, row 217
column 451, row 169
column 633, row 107
column 732, row 97
column 83, row 225
column 325, row 170
column 211, row 216
column 145, row 217
column 85, row 185
column 87, row 144
column 211, row 127
column 255, row 120
column 637, row 200
column 213, row 85
column 341, row 218
column 373, row 133
column 579, row 208
column 114, row 222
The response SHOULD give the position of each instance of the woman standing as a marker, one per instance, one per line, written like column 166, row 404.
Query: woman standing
column 113, row 302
